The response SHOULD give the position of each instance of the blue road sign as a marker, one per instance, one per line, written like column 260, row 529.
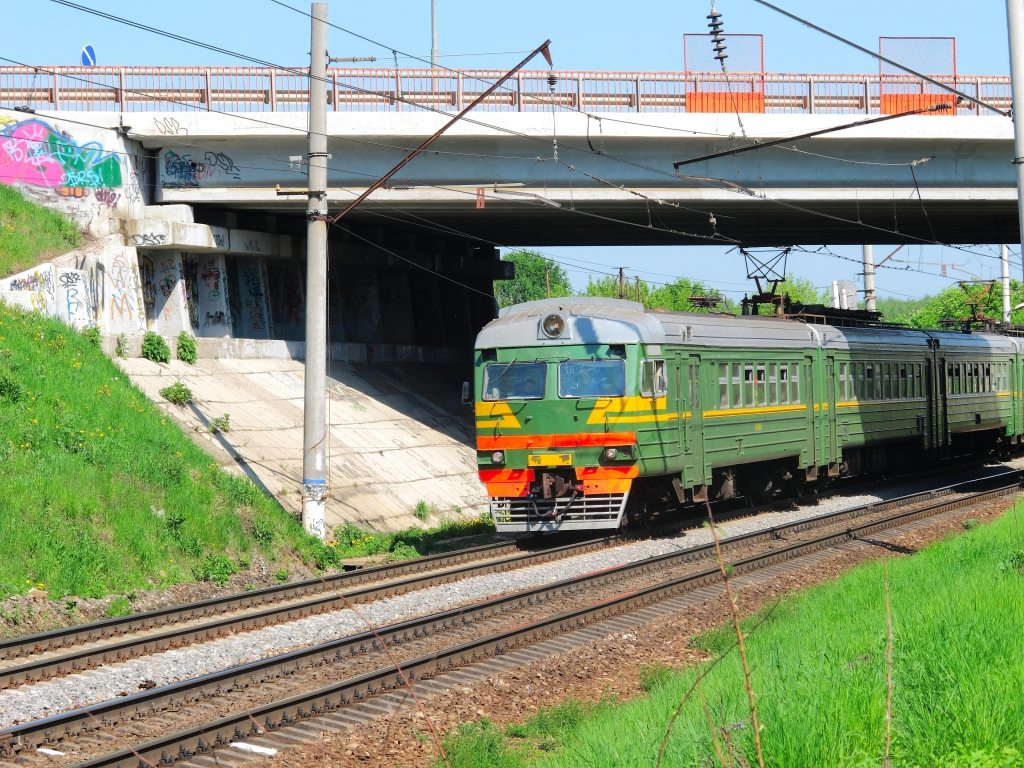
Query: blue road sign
column 88, row 56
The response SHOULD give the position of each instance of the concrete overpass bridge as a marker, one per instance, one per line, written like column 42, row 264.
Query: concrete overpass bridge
column 187, row 179
column 228, row 138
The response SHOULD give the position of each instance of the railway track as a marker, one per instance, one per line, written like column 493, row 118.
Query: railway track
column 428, row 647
column 42, row 656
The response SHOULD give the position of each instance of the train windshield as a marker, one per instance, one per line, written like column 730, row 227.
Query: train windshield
column 514, row 381
column 592, row 378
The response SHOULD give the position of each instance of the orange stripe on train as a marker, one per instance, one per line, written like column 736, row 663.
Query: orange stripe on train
column 578, row 440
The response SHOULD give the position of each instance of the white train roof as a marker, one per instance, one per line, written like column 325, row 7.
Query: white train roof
column 596, row 320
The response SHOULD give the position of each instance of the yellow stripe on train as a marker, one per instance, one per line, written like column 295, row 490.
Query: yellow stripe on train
column 633, row 409
column 754, row 411
column 503, row 412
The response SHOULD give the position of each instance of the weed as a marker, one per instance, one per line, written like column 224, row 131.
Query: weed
column 177, row 393
column 119, row 606
column 121, row 346
column 220, row 424
column 155, row 348
column 92, row 335
column 1014, row 562
column 262, row 530
column 422, row 511
column 187, row 348
column 282, row 575
column 970, row 524
column 10, row 390
column 216, row 568
column 655, row 676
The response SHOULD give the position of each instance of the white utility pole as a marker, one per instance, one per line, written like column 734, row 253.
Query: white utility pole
column 314, row 428
column 435, row 54
column 869, row 278
column 1015, row 27
column 1004, row 263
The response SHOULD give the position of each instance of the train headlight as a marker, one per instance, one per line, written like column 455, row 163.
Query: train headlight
column 611, row 453
column 553, row 326
column 498, row 457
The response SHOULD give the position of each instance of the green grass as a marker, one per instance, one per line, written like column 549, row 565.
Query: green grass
column 30, row 234
column 100, row 493
column 818, row 664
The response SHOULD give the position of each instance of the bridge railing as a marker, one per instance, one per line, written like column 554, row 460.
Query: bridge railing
column 257, row 89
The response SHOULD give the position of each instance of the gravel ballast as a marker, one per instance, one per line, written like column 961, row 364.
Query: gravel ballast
column 31, row 702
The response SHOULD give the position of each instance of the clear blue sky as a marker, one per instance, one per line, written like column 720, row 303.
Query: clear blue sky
column 644, row 35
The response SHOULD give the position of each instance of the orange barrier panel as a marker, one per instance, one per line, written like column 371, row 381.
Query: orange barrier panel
column 895, row 103
column 721, row 101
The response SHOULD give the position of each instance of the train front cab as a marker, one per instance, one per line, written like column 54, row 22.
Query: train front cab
column 561, row 437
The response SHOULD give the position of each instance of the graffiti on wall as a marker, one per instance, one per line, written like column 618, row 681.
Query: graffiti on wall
column 255, row 298
column 122, row 299
column 34, row 153
column 183, row 172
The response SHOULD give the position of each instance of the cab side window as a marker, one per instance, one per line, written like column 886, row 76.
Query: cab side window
column 653, row 379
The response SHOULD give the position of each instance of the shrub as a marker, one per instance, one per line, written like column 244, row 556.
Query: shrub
column 119, row 606
column 155, row 348
column 92, row 335
column 10, row 390
column 187, row 348
column 422, row 511
column 216, row 568
column 121, row 347
column 177, row 393
column 221, row 423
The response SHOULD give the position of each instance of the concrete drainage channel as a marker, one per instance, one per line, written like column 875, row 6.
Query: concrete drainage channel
column 337, row 706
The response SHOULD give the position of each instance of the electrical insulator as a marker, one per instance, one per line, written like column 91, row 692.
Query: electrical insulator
column 552, row 81
column 715, row 23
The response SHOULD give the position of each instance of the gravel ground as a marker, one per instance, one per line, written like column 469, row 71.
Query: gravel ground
column 26, row 703
column 608, row 670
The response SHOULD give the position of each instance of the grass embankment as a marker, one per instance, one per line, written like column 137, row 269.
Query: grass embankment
column 30, row 233
column 819, row 671
column 100, row 493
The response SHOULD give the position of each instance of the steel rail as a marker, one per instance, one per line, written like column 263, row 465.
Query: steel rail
column 423, row 577
column 268, row 717
column 77, row 661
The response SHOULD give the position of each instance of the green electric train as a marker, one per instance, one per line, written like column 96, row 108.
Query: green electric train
column 592, row 411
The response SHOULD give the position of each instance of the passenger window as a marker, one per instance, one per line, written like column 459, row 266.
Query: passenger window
column 737, row 386
column 653, row 381
column 903, row 380
column 869, row 382
column 794, row 383
column 762, row 386
column 723, row 385
column 773, row 383
column 748, row 385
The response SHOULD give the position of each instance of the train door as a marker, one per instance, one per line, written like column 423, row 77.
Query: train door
column 936, row 383
column 828, row 406
column 809, row 393
column 694, row 418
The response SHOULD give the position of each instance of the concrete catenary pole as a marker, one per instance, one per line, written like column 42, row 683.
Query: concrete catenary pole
column 1015, row 27
column 314, row 431
column 435, row 54
column 1004, row 263
column 869, row 278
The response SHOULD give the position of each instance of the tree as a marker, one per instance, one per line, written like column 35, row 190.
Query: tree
column 803, row 290
column 676, row 296
column 633, row 289
column 952, row 304
column 534, row 274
